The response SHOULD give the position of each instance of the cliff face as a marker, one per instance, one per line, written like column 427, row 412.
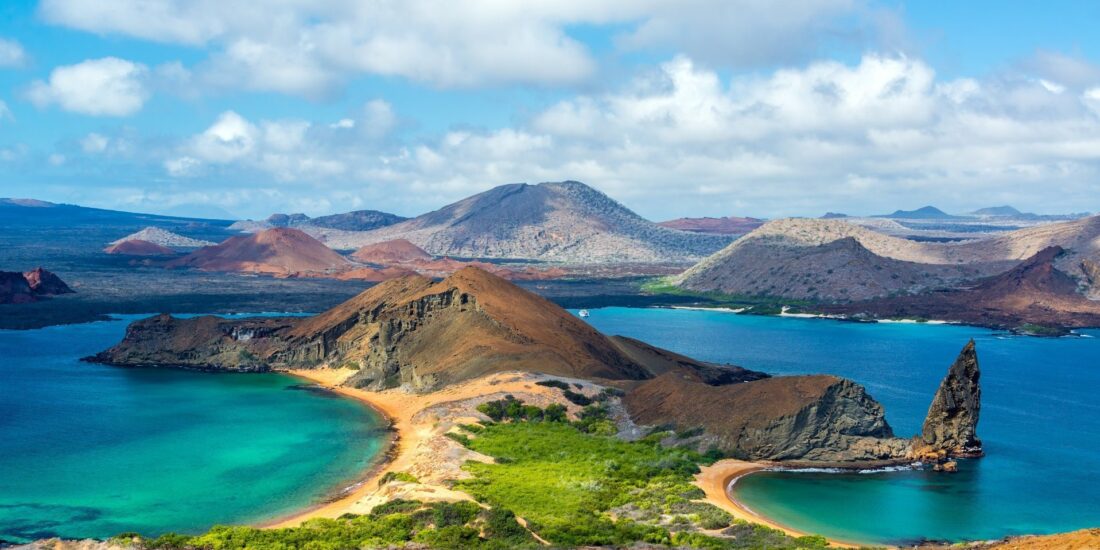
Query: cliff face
column 795, row 418
column 951, row 427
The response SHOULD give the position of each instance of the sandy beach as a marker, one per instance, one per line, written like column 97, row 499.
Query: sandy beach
column 420, row 448
column 716, row 478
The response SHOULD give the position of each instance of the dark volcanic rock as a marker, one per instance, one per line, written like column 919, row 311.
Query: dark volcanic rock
column 29, row 286
column 951, row 427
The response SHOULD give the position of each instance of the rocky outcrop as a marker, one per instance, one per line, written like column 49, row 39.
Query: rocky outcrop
column 30, row 286
column 951, row 428
column 1091, row 270
column 821, row 419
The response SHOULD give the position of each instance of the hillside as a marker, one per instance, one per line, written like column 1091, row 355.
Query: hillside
column 826, row 260
column 279, row 251
column 561, row 222
column 137, row 247
column 838, row 260
column 1034, row 292
column 729, row 225
column 162, row 237
column 923, row 213
column 411, row 332
column 391, row 252
column 356, row 220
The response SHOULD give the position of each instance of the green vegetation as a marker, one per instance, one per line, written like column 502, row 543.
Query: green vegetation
column 394, row 524
column 755, row 304
column 576, row 485
column 1031, row 329
column 397, row 476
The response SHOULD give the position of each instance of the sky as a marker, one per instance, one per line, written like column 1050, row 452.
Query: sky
column 239, row 108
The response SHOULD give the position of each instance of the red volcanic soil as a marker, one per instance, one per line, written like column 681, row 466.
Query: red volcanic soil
column 279, row 251
column 391, row 252
column 730, row 225
column 20, row 288
column 373, row 275
column 138, row 247
column 1033, row 292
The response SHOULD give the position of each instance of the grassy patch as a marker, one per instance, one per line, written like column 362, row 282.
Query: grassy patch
column 576, row 485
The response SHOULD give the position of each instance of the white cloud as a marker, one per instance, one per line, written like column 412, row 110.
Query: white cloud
column 871, row 136
column 98, row 87
column 56, row 159
column 5, row 112
column 94, row 143
column 311, row 48
column 11, row 53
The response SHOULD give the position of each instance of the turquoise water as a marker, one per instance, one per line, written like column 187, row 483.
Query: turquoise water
column 1040, row 422
column 92, row 451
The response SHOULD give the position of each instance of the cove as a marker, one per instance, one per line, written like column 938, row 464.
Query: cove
column 93, row 451
column 1040, row 422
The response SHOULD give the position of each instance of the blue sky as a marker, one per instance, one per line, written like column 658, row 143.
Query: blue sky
column 700, row 107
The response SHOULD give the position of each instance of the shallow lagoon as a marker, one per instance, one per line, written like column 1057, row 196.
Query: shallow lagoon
column 1040, row 422
column 92, row 451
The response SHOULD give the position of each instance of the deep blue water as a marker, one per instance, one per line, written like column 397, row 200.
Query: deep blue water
column 92, row 451
column 1040, row 422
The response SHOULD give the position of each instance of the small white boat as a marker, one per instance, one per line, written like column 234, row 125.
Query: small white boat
column 583, row 313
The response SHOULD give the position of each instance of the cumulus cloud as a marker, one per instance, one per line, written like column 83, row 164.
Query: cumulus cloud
column 94, row 143
column 11, row 53
column 878, row 134
column 5, row 112
column 311, row 48
column 99, row 87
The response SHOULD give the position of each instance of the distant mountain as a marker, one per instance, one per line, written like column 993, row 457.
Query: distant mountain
column 278, row 251
column 564, row 222
column 833, row 216
column 999, row 212
column 730, row 225
column 391, row 252
column 163, row 238
column 833, row 260
column 827, row 260
column 356, row 220
column 137, row 247
column 923, row 213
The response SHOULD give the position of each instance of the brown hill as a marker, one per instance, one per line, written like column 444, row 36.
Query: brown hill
column 412, row 332
column 556, row 221
column 30, row 286
column 729, row 225
column 1034, row 292
column 391, row 252
column 135, row 247
column 278, row 251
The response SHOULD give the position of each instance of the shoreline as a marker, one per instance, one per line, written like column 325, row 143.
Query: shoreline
column 366, row 483
column 717, row 479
